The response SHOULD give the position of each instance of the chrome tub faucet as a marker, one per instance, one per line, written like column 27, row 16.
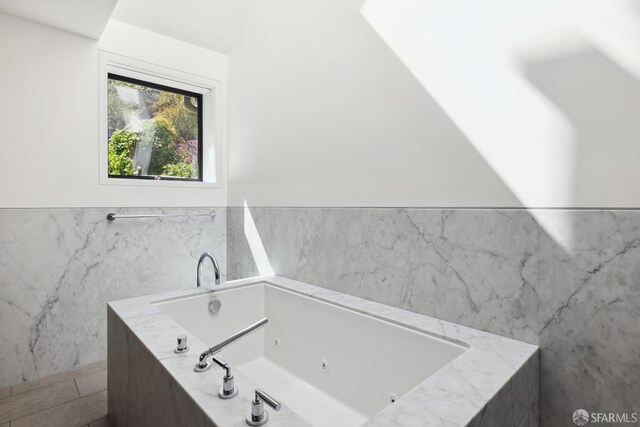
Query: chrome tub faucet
column 216, row 267
column 228, row 389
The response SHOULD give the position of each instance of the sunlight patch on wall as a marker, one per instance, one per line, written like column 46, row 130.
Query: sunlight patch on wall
column 255, row 244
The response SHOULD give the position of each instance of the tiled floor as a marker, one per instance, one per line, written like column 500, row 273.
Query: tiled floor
column 76, row 398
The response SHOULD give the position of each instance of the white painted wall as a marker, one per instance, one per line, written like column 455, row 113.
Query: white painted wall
column 436, row 103
column 322, row 113
column 49, row 109
column 355, row 103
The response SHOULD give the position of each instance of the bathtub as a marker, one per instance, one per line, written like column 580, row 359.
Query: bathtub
column 329, row 358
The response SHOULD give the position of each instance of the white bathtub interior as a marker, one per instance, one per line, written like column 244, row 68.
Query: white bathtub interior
column 331, row 365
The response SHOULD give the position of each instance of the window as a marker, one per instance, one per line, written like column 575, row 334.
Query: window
column 153, row 131
column 161, row 127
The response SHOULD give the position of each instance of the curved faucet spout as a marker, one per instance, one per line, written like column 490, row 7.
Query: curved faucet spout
column 216, row 267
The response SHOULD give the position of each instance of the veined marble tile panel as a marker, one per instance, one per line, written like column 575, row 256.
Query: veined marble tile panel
column 589, row 315
column 59, row 268
column 467, row 266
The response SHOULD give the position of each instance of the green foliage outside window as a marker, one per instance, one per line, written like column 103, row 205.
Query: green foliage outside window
column 121, row 147
column 181, row 169
column 153, row 132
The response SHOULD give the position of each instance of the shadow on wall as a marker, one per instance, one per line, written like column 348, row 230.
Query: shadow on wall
column 470, row 57
column 601, row 99
column 344, row 102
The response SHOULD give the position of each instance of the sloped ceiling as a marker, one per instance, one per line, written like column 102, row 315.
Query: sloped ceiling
column 84, row 17
column 212, row 24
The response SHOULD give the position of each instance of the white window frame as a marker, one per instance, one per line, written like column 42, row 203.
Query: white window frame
column 212, row 135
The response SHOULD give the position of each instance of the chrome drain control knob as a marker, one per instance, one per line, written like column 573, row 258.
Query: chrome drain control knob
column 215, row 305
column 182, row 344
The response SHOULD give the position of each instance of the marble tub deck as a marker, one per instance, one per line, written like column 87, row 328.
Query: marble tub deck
column 493, row 383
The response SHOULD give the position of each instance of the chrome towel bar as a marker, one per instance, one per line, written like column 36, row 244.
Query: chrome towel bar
column 112, row 216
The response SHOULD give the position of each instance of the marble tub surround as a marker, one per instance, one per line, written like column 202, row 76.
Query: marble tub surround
column 494, row 378
column 490, row 269
column 59, row 267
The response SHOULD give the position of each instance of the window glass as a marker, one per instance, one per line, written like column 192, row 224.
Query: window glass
column 154, row 131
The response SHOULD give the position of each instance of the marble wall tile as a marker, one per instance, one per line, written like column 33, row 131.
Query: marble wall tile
column 471, row 267
column 576, row 295
column 589, row 318
column 59, row 267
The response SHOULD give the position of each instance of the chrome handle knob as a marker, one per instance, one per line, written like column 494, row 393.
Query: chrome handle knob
column 259, row 415
column 182, row 346
column 268, row 399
